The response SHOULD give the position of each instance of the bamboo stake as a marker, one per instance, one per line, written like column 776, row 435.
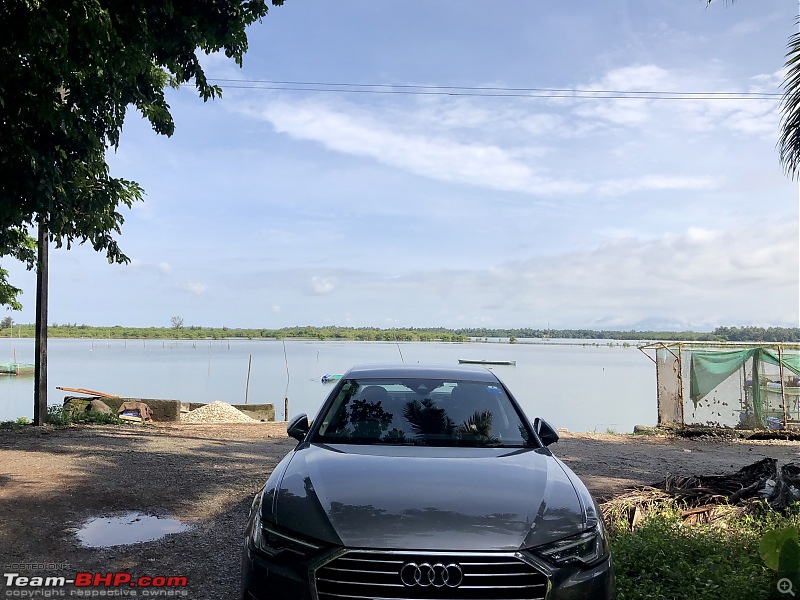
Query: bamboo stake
column 680, row 384
column 783, row 388
column 247, row 387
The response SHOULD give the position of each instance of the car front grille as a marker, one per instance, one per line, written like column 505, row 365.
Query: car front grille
column 370, row 575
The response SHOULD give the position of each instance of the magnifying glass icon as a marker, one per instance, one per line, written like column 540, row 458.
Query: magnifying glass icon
column 785, row 586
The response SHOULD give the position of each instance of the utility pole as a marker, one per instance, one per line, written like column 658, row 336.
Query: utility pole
column 40, row 368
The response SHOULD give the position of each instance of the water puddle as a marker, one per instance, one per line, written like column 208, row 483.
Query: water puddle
column 130, row 528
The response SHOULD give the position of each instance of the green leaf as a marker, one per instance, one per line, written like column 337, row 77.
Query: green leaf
column 789, row 557
column 772, row 543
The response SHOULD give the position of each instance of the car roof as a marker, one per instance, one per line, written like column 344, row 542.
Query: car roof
column 419, row 371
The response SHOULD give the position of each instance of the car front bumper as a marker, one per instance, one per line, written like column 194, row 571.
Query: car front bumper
column 264, row 578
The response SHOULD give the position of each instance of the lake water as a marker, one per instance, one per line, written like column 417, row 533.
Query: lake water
column 579, row 386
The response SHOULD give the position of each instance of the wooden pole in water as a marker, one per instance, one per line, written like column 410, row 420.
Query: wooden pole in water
column 247, row 387
column 286, row 393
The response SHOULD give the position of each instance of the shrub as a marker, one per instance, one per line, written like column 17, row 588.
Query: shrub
column 664, row 558
column 56, row 415
column 96, row 418
column 12, row 425
column 60, row 417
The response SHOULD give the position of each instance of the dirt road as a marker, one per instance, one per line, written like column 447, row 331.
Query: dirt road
column 53, row 480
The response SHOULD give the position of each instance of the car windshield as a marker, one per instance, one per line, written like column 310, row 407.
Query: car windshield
column 423, row 412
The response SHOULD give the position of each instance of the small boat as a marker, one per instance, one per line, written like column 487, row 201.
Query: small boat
column 329, row 378
column 15, row 368
column 467, row 361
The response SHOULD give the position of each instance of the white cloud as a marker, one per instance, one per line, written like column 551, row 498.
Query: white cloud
column 541, row 148
column 322, row 285
column 162, row 268
column 192, row 287
column 217, row 64
column 357, row 132
column 627, row 112
column 709, row 276
column 710, row 103
column 700, row 235
column 755, row 25
column 701, row 278
column 655, row 182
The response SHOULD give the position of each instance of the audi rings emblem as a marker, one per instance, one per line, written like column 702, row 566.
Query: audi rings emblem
column 437, row 575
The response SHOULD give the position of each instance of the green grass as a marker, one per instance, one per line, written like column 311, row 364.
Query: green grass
column 56, row 415
column 12, row 425
column 667, row 559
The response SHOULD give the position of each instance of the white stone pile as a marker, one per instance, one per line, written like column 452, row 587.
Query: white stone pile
column 216, row 412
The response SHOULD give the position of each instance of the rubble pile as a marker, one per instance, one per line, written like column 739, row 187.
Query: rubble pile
column 216, row 412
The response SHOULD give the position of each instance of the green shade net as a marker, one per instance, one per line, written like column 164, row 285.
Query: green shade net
column 789, row 361
column 709, row 369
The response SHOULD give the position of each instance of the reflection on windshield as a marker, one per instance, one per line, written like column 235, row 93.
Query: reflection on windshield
column 422, row 412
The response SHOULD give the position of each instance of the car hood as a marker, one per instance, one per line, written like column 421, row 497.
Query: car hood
column 398, row 497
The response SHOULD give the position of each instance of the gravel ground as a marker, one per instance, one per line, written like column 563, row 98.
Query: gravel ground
column 53, row 480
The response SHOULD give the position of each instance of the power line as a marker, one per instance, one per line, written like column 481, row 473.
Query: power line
column 486, row 91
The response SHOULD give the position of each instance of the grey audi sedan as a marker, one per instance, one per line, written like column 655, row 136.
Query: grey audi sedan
column 423, row 482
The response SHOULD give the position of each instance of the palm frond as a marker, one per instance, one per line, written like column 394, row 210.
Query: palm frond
column 427, row 419
column 789, row 143
column 478, row 428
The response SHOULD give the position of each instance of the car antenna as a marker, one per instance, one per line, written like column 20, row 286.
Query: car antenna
column 400, row 351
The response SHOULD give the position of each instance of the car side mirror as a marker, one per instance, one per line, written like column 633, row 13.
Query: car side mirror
column 546, row 433
column 298, row 427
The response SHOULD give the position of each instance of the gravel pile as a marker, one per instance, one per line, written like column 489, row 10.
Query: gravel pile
column 217, row 412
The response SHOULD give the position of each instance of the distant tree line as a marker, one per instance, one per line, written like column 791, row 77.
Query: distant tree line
column 194, row 332
column 758, row 334
column 178, row 330
column 587, row 334
column 720, row 334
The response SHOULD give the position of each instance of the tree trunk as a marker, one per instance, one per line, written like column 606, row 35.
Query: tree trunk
column 40, row 372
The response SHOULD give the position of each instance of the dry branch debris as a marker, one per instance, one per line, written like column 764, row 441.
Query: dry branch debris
column 710, row 498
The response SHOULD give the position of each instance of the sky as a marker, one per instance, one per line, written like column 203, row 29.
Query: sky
column 448, row 189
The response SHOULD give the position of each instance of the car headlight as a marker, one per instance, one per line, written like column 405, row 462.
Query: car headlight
column 274, row 542
column 588, row 548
